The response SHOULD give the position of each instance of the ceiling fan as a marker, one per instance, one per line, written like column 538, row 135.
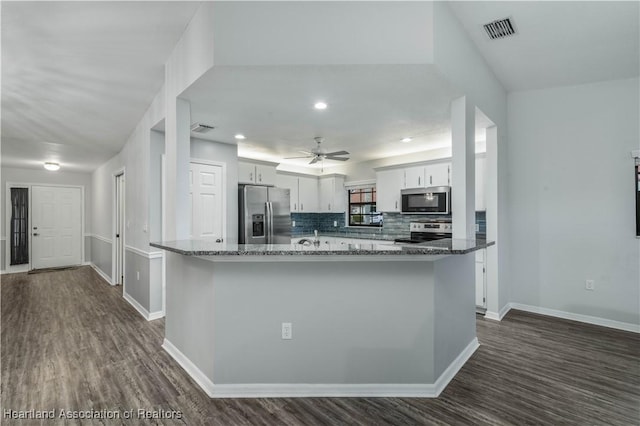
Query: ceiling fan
column 319, row 154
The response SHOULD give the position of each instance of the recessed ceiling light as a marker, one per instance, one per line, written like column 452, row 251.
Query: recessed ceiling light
column 320, row 105
column 51, row 166
column 406, row 140
column 239, row 136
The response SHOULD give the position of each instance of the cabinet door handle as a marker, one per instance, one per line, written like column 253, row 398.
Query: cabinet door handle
column 396, row 204
column 250, row 177
column 329, row 206
column 294, row 207
column 418, row 180
column 301, row 207
column 35, row 234
column 431, row 180
column 260, row 177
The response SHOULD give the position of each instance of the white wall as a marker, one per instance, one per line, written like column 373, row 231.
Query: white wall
column 228, row 154
column 572, row 199
column 457, row 57
column 309, row 33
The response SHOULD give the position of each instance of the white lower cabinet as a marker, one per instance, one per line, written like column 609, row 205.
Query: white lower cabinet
column 481, row 278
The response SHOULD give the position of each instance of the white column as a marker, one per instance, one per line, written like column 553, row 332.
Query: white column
column 491, row 194
column 463, row 168
column 178, row 154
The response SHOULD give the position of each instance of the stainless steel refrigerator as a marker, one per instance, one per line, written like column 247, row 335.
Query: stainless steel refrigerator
column 265, row 215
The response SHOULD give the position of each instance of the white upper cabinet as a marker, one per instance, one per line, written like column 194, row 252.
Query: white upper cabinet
column 308, row 194
column 291, row 183
column 429, row 175
column 256, row 173
column 265, row 175
column 414, row 177
column 333, row 196
column 437, row 174
column 481, row 179
column 246, row 172
column 389, row 183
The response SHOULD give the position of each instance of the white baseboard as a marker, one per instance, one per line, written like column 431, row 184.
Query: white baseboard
column 307, row 390
column 198, row 376
column 149, row 316
column 304, row 390
column 453, row 368
column 497, row 316
column 155, row 315
column 100, row 272
column 604, row 322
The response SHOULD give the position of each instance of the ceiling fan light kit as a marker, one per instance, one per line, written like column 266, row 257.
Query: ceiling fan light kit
column 318, row 154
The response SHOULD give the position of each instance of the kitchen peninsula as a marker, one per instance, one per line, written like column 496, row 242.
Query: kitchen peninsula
column 329, row 320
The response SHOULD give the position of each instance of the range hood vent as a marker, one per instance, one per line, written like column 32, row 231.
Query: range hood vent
column 201, row 128
column 500, row 28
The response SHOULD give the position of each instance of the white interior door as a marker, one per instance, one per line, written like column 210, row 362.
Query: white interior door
column 207, row 195
column 56, row 226
column 119, row 231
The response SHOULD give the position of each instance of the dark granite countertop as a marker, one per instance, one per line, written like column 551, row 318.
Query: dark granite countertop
column 210, row 248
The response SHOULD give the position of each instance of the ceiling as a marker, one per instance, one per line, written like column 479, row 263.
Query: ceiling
column 78, row 76
column 370, row 109
column 557, row 43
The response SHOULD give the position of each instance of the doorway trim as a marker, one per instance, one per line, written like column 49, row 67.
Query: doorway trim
column 7, row 240
column 223, row 165
column 114, row 251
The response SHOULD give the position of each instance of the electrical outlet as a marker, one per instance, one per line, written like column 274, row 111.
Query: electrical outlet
column 287, row 331
column 138, row 275
column 335, row 223
column 590, row 285
column 293, row 223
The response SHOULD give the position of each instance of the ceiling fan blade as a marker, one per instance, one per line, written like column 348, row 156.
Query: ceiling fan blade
column 315, row 160
column 328, row 157
column 329, row 154
column 291, row 158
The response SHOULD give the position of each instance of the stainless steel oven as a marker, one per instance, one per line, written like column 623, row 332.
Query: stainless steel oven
column 433, row 200
column 427, row 230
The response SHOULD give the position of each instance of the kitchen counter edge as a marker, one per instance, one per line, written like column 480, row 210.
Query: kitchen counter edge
column 299, row 250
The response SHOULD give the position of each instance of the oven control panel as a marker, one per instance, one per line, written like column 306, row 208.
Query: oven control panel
column 438, row 227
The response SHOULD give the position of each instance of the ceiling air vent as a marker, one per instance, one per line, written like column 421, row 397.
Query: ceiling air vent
column 201, row 128
column 499, row 29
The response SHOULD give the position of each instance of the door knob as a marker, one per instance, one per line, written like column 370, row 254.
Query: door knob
column 218, row 240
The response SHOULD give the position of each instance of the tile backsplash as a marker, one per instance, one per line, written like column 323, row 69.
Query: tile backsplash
column 393, row 223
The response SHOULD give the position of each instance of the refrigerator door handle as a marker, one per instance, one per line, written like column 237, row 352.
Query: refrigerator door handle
column 269, row 223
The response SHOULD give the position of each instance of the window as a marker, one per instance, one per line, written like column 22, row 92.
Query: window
column 362, row 208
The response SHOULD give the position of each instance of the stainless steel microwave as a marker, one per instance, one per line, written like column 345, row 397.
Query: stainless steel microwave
column 433, row 200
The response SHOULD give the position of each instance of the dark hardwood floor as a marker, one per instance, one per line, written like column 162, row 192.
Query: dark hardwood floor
column 69, row 341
